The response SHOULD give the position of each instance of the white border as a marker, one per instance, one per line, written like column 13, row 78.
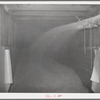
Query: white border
column 44, row 96
column 50, row 2
column 51, row 95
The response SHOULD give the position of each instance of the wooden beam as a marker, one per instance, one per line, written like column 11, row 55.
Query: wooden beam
column 30, row 18
column 49, row 7
column 48, row 13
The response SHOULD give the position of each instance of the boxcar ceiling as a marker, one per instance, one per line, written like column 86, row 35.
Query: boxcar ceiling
column 31, row 20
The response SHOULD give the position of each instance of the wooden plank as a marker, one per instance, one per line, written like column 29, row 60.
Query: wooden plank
column 49, row 7
column 48, row 13
column 2, row 70
column 71, row 18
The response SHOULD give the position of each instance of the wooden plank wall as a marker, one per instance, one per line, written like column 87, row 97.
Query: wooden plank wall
column 6, row 41
column 2, row 74
column 80, row 61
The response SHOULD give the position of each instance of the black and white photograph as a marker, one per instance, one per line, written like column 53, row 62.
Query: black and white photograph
column 50, row 48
